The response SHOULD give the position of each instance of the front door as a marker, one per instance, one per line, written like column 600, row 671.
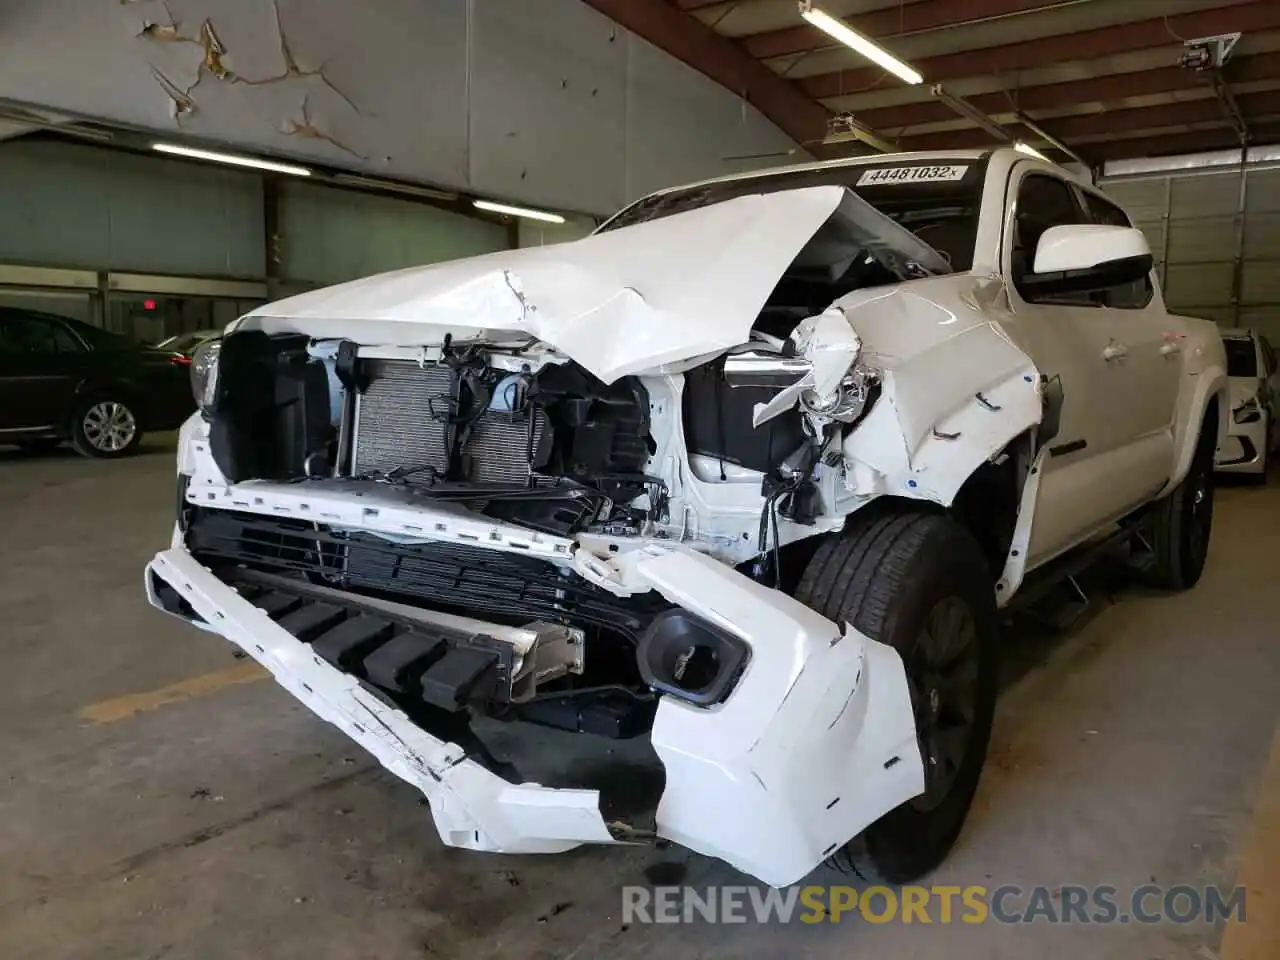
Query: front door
column 1154, row 350
column 1096, row 468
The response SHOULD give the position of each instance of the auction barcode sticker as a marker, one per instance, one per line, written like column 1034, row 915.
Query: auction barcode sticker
column 943, row 174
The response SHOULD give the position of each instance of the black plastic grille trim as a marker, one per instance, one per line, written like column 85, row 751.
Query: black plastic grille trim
column 507, row 587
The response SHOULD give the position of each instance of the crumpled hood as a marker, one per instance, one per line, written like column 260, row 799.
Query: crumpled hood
column 621, row 302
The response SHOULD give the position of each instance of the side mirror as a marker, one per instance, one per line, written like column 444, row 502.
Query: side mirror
column 1083, row 257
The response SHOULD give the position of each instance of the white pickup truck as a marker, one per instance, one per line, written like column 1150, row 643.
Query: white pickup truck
column 745, row 476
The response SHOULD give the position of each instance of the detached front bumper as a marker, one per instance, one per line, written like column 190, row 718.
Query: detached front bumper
column 472, row 807
column 815, row 741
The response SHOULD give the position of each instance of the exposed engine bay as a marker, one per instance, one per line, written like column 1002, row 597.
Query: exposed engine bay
column 551, row 448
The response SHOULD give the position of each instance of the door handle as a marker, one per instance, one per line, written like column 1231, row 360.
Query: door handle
column 1114, row 351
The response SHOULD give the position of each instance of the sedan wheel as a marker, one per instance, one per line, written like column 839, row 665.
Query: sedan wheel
column 105, row 427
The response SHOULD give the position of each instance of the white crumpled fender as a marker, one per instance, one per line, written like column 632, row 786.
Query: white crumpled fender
column 831, row 346
column 816, row 741
column 954, row 388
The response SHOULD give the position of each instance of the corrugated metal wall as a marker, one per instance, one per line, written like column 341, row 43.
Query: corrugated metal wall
column 73, row 206
column 535, row 233
column 147, row 246
column 1217, row 238
column 84, row 207
column 330, row 235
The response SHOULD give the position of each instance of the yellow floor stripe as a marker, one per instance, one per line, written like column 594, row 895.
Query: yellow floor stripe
column 120, row 708
column 1258, row 938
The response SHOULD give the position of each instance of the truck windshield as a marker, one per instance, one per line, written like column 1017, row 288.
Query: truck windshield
column 936, row 199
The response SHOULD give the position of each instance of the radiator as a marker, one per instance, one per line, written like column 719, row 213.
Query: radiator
column 400, row 424
column 394, row 422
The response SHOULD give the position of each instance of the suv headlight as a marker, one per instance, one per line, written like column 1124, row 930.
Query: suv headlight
column 1248, row 412
column 204, row 374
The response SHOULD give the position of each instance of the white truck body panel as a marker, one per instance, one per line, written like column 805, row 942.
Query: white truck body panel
column 817, row 739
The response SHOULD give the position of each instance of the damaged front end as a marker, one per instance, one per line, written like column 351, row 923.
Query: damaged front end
column 417, row 543
column 532, row 491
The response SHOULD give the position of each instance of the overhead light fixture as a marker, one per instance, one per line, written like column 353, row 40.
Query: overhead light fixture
column 1030, row 151
column 233, row 159
column 857, row 42
column 517, row 211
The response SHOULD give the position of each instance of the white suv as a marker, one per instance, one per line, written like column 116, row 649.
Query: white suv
column 1255, row 391
column 744, row 476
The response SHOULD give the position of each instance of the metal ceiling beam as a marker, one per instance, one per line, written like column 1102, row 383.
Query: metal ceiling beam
column 1046, row 137
column 699, row 4
column 1113, row 123
column 1159, row 146
column 1164, row 115
column 1048, row 97
column 971, row 113
column 1084, row 45
column 686, row 38
column 895, row 21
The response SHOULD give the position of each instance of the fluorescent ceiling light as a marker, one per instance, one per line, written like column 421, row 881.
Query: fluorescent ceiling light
column 234, row 160
column 1030, row 151
column 518, row 211
column 856, row 41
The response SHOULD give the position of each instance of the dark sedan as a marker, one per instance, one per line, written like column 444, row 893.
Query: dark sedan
column 63, row 380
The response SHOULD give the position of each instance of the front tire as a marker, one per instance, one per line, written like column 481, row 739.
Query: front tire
column 918, row 582
column 106, row 426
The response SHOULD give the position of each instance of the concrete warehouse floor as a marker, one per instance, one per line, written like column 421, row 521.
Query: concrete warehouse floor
column 158, row 799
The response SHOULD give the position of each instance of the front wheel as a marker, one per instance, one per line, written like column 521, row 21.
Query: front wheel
column 105, row 426
column 918, row 582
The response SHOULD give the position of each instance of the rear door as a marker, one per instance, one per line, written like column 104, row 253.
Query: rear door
column 41, row 364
